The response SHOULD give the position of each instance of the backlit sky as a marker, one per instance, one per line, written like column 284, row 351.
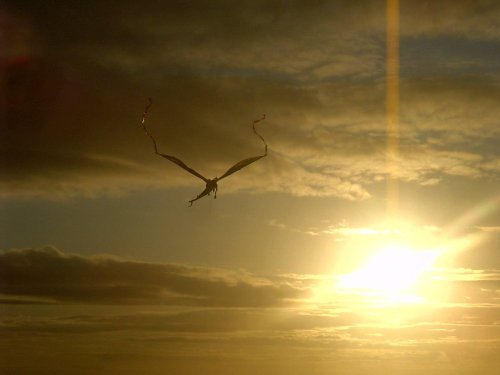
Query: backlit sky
column 297, row 267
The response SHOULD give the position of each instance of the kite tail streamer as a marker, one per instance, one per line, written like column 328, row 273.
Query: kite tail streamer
column 258, row 135
column 143, row 120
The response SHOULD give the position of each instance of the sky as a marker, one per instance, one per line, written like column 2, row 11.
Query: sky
column 353, row 247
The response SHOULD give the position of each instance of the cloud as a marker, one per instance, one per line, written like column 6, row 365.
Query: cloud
column 178, row 312
column 339, row 230
column 49, row 274
column 243, row 38
column 463, row 18
column 70, row 120
column 323, row 142
column 490, row 229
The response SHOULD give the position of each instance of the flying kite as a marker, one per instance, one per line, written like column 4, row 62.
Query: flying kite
column 211, row 184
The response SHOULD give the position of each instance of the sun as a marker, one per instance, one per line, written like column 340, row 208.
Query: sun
column 392, row 265
column 392, row 273
column 394, row 268
column 395, row 264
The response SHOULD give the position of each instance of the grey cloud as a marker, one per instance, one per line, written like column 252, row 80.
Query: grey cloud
column 338, row 153
column 468, row 106
column 49, row 273
column 218, row 35
column 76, row 131
column 469, row 19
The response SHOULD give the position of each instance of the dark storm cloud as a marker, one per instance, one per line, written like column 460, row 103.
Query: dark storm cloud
column 50, row 274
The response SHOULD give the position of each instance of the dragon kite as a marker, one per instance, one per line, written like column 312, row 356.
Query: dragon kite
column 211, row 184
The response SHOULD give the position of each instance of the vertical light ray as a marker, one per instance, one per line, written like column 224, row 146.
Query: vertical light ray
column 392, row 108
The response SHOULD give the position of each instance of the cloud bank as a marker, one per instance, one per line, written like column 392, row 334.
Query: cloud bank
column 54, row 276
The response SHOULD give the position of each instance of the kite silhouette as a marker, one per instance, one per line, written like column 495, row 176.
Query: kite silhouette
column 211, row 184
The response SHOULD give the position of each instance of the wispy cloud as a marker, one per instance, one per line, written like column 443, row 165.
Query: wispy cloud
column 490, row 229
column 474, row 20
column 212, row 75
column 344, row 229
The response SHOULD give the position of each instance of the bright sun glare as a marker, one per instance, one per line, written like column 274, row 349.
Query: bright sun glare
column 395, row 268
column 391, row 274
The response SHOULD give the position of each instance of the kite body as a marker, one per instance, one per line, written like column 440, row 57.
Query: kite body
column 211, row 184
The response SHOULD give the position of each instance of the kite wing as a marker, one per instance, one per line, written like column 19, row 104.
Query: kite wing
column 246, row 162
column 240, row 165
column 173, row 159
column 181, row 164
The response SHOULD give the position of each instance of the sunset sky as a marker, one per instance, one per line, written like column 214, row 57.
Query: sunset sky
column 350, row 249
